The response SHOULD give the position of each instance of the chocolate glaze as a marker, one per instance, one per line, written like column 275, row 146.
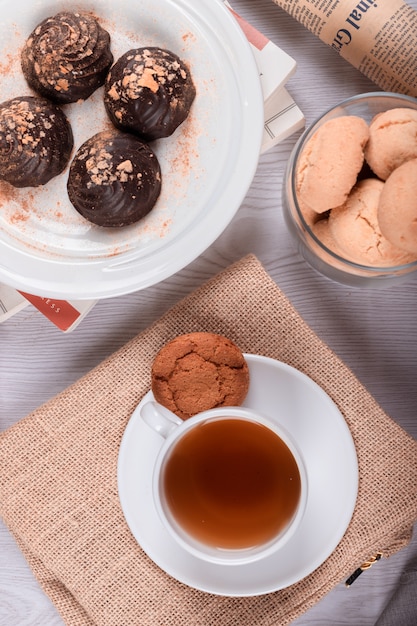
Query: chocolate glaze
column 35, row 141
column 149, row 91
column 114, row 179
column 67, row 57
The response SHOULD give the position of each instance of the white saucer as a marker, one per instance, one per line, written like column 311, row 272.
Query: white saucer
column 325, row 441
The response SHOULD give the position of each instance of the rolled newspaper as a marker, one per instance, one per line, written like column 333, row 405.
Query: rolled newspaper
column 378, row 37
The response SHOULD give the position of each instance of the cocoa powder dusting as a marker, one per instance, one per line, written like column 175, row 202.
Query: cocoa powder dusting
column 7, row 64
column 188, row 37
column 181, row 163
column 8, row 195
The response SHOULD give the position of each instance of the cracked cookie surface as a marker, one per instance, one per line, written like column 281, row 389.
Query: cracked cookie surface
column 355, row 228
column 199, row 371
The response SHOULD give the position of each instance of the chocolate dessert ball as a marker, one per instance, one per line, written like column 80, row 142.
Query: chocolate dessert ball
column 149, row 91
column 114, row 179
column 35, row 141
column 67, row 57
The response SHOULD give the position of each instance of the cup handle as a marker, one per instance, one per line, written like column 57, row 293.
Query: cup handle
column 159, row 418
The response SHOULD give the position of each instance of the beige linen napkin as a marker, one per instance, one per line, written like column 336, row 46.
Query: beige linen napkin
column 58, row 490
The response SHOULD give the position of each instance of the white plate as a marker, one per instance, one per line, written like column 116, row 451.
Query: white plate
column 46, row 248
column 325, row 441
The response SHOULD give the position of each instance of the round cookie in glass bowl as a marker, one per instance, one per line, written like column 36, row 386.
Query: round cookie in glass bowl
column 333, row 187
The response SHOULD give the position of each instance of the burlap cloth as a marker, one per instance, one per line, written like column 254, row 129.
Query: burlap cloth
column 58, row 486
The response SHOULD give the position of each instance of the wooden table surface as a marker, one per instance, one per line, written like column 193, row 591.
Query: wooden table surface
column 375, row 332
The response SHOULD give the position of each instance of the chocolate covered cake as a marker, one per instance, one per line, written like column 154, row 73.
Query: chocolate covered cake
column 114, row 179
column 35, row 141
column 67, row 57
column 149, row 91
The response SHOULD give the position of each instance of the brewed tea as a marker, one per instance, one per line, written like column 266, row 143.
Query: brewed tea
column 231, row 483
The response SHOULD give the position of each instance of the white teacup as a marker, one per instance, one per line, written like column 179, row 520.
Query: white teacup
column 229, row 484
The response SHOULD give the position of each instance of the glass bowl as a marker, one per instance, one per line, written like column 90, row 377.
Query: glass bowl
column 315, row 250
